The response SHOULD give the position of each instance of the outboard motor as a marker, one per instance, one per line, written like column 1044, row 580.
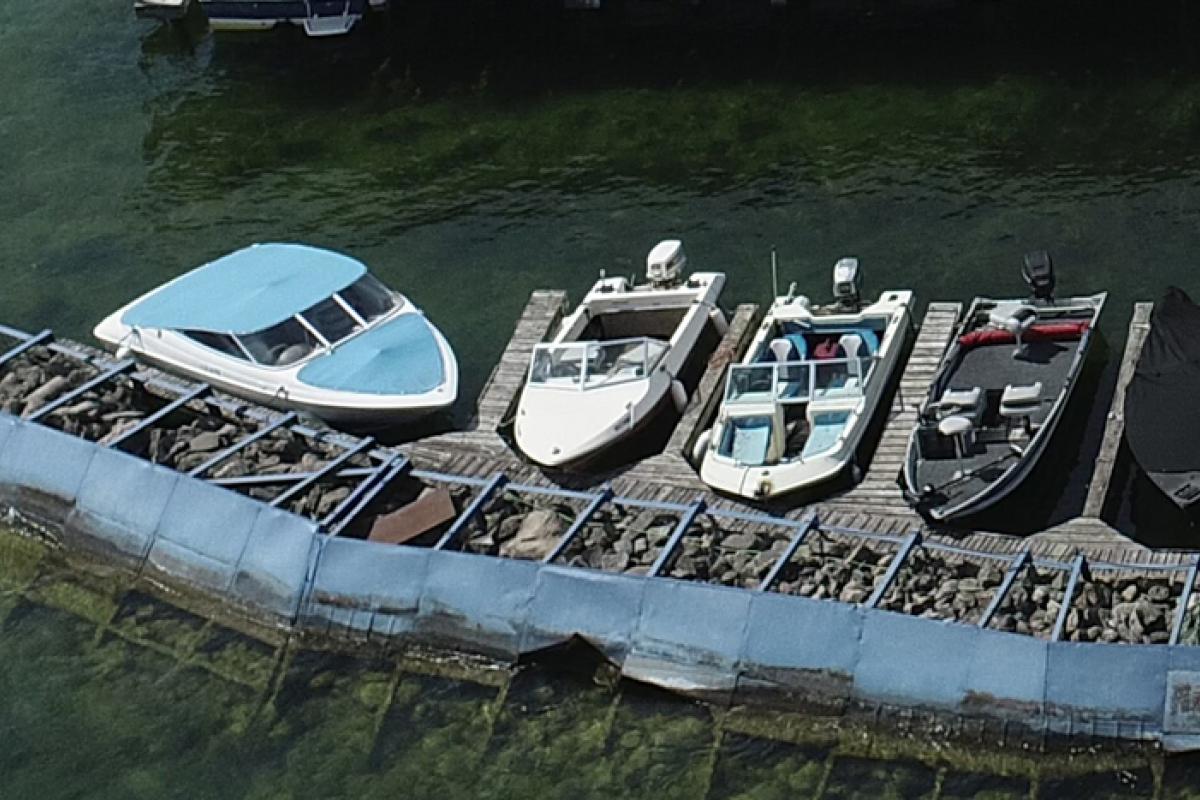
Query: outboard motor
column 847, row 283
column 1038, row 273
column 665, row 263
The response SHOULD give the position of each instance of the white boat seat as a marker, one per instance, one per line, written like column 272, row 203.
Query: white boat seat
column 964, row 402
column 954, row 425
column 851, row 344
column 1016, row 318
column 960, row 429
column 782, row 349
column 1020, row 401
column 1008, row 315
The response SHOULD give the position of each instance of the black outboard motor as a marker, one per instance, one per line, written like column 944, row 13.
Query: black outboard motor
column 1038, row 273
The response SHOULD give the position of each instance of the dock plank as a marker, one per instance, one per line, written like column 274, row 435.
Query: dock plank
column 1114, row 428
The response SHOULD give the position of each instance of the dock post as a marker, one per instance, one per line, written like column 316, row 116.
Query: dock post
column 46, row 335
column 107, row 375
column 605, row 495
column 893, row 569
column 1017, row 564
column 1114, row 429
column 329, row 468
column 1184, row 597
column 807, row 524
column 243, row 443
column 1078, row 567
column 364, row 493
column 685, row 522
column 498, row 482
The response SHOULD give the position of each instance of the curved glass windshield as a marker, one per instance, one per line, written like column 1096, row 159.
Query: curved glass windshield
column 589, row 365
column 280, row 345
column 330, row 320
column 221, row 342
column 369, row 298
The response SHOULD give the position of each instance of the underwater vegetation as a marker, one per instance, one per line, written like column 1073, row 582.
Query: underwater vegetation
column 107, row 692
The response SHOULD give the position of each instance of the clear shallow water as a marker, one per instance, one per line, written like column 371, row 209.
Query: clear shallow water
column 106, row 693
column 471, row 163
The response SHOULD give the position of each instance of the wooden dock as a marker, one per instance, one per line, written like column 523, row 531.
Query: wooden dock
column 1114, row 428
column 879, row 492
column 875, row 505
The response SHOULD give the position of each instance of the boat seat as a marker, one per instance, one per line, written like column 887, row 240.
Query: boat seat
column 782, row 350
column 1021, row 403
column 851, row 344
column 292, row 353
column 1016, row 318
column 962, row 402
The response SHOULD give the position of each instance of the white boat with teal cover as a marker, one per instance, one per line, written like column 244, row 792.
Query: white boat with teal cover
column 294, row 327
column 797, row 406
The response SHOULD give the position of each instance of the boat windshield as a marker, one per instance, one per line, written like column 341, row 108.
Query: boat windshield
column 330, row 320
column 588, row 365
column 369, row 298
column 280, row 345
column 797, row 381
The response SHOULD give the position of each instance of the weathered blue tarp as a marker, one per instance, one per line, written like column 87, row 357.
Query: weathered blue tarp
column 693, row 637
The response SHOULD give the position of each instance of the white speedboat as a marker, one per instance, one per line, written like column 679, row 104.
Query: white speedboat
column 294, row 327
column 616, row 360
column 797, row 406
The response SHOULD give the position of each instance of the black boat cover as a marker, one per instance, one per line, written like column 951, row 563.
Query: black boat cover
column 1162, row 404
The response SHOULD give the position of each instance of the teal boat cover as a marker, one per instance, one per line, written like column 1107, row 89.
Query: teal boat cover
column 398, row 357
column 247, row 291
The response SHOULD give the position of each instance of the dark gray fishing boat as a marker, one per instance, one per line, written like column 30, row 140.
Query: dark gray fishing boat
column 998, row 395
column 1162, row 427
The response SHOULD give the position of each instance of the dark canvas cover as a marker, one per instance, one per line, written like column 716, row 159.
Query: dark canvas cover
column 1162, row 405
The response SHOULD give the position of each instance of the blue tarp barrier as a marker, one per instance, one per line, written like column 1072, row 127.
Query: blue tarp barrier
column 1090, row 682
column 274, row 568
column 689, row 636
column 44, row 461
column 476, row 602
column 120, row 503
column 902, row 657
column 202, row 534
column 602, row 607
column 1007, row 675
column 370, row 588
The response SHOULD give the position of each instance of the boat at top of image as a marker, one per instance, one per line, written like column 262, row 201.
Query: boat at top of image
column 1162, row 427
column 998, row 394
column 796, row 407
column 295, row 327
column 318, row 18
column 615, row 360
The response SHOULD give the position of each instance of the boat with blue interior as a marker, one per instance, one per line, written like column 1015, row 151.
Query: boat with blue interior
column 616, row 360
column 295, row 327
column 797, row 406
column 998, row 395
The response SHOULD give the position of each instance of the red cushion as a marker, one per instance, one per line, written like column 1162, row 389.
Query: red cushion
column 1047, row 331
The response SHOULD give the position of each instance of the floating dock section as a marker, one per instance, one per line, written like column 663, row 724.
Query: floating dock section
column 262, row 520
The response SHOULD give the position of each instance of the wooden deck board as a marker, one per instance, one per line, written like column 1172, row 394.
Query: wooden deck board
column 1114, row 428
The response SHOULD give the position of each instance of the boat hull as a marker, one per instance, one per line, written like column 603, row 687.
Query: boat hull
column 815, row 473
column 1019, row 461
column 565, row 425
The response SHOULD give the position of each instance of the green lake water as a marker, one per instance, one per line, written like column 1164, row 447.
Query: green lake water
column 469, row 162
